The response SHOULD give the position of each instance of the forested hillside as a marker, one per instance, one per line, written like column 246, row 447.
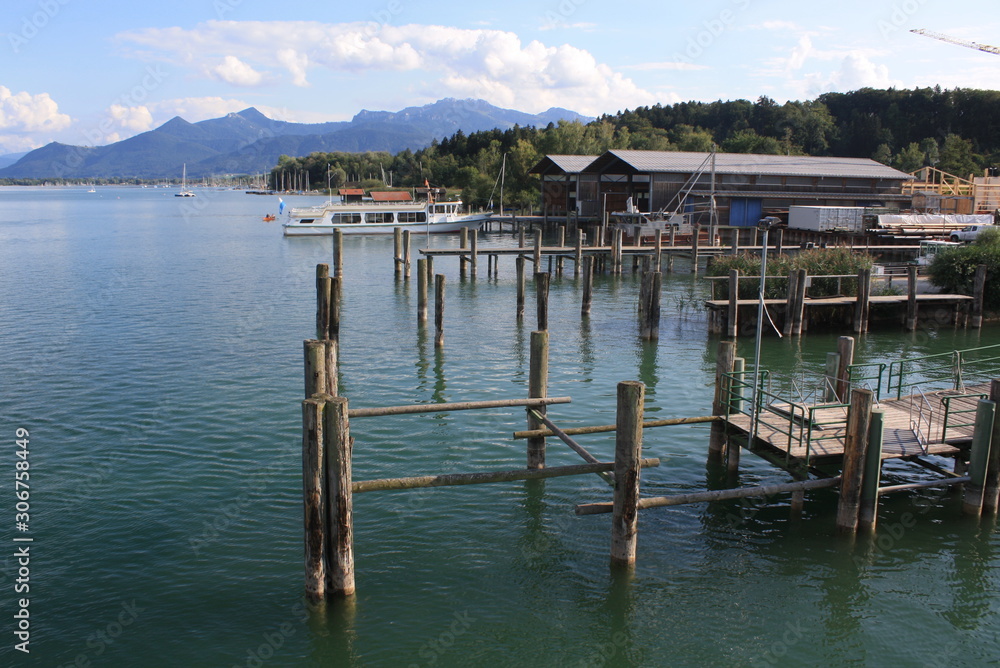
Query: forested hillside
column 957, row 131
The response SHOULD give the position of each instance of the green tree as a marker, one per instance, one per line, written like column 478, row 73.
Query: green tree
column 910, row 159
column 957, row 157
column 882, row 154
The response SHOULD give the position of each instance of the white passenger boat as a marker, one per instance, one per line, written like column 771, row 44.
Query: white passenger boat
column 380, row 217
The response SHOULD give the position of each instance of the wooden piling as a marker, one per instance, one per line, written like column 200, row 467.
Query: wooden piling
column 911, row 299
column 695, row 241
column 323, row 296
column 978, row 290
column 421, row 292
column 862, row 304
column 723, row 364
column 439, row 311
column 868, row 509
column 845, row 348
column 658, row 251
column 538, row 380
column 734, row 295
column 338, row 253
column 336, row 297
column 538, row 251
column 331, row 358
column 793, row 291
column 830, row 377
column 578, row 254
column 406, row 254
column 628, row 452
column 650, row 328
column 735, row 406
column 520, row 287
column 979, row 457
column 474, row 253
column 542, row 300
column 855, row 447
column 798, row 313
column 991, row 488
column 338, row 446
column 562, row 243
column 463, row 236
column 315, row 367
column 397, row 252
column 313, row 500
column 588, row 286
column 778, row 234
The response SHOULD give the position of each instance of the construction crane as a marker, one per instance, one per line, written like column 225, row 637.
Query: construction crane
column 954, row 40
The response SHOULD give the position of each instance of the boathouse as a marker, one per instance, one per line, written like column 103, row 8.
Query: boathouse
column 745, row 186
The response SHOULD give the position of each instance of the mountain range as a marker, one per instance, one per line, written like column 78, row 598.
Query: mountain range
column 249, row 142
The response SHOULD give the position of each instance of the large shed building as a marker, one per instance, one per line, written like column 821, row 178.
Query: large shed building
column 745, row 186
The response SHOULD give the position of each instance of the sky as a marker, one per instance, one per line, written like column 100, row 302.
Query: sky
column 95, row 72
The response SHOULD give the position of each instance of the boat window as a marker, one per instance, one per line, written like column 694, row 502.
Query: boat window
column 306, row 221
column 346, row 218
column 379, row 217
column 412, row 216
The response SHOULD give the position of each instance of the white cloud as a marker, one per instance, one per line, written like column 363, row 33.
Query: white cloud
column 493, row 64
column 24, row 112
column 799, row 54
column 678, row 65
column 135, row 119
column 234, row 71
column 858, row 71
column 296, row 64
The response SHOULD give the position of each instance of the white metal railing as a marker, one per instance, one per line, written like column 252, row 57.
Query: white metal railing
column 921, row 424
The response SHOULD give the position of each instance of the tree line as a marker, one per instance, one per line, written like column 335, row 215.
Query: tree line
column 957, row 131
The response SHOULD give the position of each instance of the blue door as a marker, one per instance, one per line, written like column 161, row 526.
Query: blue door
column 744, row 211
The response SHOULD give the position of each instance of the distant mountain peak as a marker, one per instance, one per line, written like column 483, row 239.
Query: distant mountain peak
column 253, row 115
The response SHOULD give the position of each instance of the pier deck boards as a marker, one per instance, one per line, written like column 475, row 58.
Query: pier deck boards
column 926, row 298
column 899, row 438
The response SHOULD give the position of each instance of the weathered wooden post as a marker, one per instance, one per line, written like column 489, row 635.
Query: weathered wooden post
column 338, row 446
column 650, row 329
column 578, row 255
column 315, row 367
column 397, row 251
column 520, row 236
column 406, row 254
column 542, row 300
column 324, row 294
column 463, row 236
column 868, row 510
column 338, row 253
column 830, row 377
column 798, row 315
column 588, row 285
column 695, row 241
column 538, row 380
column 538, row 251
column 855, row 447
column 628, row 452
column 862, row 303
column 313, row 499
column 978, row 290
column 979, row 458
column 562, row 244
column 734, row 389
column 845, row 348
column 793, row 291
column 421, row 292
column 658, row 251
column 911, row 299
column 474, row 252
column 670, row 256
column 520, row 287
column 991, row 489
column 778, row 234
column 336, row 297
column 723, row 365
column 439, row 311
column 732, row 326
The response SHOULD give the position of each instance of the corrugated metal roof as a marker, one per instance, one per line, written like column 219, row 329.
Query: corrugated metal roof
column 569, row 164
column 390, row 196
column 748, row 163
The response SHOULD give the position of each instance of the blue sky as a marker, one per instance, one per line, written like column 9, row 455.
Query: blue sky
column 95, row 72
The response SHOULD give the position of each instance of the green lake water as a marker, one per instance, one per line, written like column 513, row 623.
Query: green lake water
column 152, row 347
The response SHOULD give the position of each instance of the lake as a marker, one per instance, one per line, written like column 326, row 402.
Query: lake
column 152, row 350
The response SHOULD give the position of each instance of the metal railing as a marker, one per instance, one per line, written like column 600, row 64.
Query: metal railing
column 921, row 424
column 941, row 371
column 951, row 415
